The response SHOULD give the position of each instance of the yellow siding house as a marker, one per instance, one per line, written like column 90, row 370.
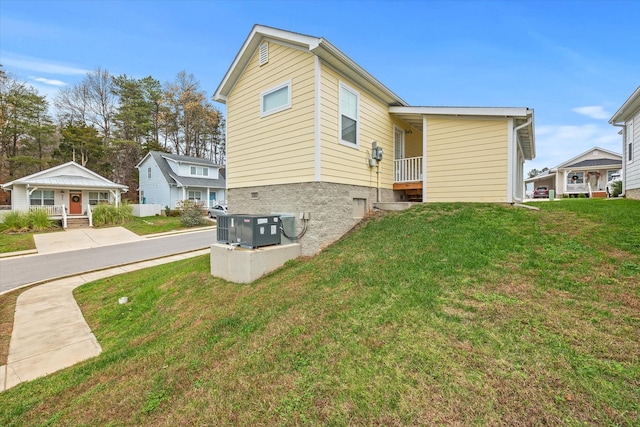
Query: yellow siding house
column 313, row 134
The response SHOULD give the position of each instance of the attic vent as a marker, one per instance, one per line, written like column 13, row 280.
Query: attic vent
column 264, row 53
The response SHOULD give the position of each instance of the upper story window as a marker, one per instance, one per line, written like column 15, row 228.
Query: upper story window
column 41, row 198
column 349, row 100
column 199, row 171
column 275, row 99
column 149, row 173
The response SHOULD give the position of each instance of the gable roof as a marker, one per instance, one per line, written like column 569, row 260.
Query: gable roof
column 318, row 46
column 573, row 162
column 628, row 109
column 85, row 178
column 172, row 178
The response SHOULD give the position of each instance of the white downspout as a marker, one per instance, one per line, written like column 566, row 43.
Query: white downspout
column 625, row 155
column 517, row 140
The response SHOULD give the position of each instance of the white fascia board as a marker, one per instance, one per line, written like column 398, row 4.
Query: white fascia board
column 257, row 35
column 328, row 51
column 143, row 160
column 465, row 111
column 318, row 46
column 562, row 165
column 628, row 109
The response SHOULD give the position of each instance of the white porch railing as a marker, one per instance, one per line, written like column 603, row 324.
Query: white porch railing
column 579, row 189
column 51, row 210
column 408, row 170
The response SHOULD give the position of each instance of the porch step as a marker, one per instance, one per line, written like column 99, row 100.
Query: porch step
column 77, row 222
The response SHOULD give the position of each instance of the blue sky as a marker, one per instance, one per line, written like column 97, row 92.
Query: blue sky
column 573, row 62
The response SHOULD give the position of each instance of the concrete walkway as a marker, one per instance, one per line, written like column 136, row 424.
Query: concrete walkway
column 83, row 238
column 49, row 330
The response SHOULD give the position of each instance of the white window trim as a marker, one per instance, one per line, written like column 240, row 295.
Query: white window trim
column 357, row 94
column 286, row 84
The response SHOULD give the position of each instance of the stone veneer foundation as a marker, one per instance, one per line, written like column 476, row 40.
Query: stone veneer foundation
column 333, row 208
column 633, row 193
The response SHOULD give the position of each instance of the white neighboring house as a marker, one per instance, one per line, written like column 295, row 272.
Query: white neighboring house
column 67, row 190
column 628, row 118
column 167, row 179
column 586, row 173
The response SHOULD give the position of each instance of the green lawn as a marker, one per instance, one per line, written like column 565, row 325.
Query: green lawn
column 154, row 224
column 16, row 242
column 446, row 314
column 140, row 226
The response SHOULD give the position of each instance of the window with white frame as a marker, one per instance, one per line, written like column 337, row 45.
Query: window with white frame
column 149, row 173
column 97, row 197
column 42, row 198
column 610, row 174
column 195, row 195
column 275, row 99
column 199, row 171
column 349, row 100
column 575, row 178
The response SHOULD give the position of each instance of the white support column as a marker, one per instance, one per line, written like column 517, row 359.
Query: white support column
column 424, row 159
column 510, row 159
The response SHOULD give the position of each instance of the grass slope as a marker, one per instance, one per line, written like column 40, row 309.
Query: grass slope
column 450, row 314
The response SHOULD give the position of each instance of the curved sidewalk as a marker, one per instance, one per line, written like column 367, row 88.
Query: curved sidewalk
column 49, row 330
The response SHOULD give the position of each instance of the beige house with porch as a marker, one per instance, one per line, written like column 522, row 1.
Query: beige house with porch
column 67, row 192
column 585, row 174
column 313, row 134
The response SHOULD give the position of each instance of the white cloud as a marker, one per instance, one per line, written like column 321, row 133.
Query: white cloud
column 51, row 82
column 557, row 144
column 594, row 111
column 40, row 65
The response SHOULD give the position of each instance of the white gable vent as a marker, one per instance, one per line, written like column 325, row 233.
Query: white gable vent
column 264, row 53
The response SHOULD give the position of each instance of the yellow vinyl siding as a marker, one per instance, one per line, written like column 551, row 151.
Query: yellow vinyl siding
column 467, row 160
column 278, row 148
column 345, row 164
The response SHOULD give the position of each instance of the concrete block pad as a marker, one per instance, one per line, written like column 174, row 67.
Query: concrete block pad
column 242, row 265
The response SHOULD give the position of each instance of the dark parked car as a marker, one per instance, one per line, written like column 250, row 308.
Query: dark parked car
column 217, row 210
column 541, row 192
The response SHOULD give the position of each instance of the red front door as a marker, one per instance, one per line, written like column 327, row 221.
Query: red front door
column 75, row 203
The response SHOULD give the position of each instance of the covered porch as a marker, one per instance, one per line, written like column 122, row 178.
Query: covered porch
column 64, row 192
column 461, row 153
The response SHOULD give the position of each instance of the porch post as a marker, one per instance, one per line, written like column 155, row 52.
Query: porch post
column 424, row 159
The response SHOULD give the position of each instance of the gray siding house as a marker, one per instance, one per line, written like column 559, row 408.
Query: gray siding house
column 628, row 119
column 167, row 179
